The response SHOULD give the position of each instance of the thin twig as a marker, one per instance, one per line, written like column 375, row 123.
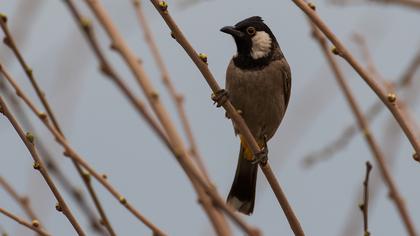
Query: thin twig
column 104, row 219
column 22, row 28
column 364, row 207
column 161, row 7
column 72, row 190
column 50, row 163
column 106, row 67
column 39, row 165
column 71, row 153
column 219, row 222
column 371, row 68
column 387, row 97
column 23, row 201
column 391, row 142
column 33, row 226
column 282, row 199
column 176, row 96
column 409, row 73
column 153, row 98
column 86, row 27
column 363, row 125
column 9, row 41
column 372, row 112
column 386, row 85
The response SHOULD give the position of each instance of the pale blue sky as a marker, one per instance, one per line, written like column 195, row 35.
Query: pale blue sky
column 103, row 127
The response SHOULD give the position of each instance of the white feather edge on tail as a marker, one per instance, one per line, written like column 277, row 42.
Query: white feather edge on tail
column 238, row 204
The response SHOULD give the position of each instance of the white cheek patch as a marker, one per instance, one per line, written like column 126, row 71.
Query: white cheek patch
column 261, row 45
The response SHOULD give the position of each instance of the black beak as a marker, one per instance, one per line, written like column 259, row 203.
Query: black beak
column 232, row 31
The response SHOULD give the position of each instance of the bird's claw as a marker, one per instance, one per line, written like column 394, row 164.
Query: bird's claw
column 261, row 157
column 220, row 97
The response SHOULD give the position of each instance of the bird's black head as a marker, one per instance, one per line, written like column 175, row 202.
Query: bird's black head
column 254, row 40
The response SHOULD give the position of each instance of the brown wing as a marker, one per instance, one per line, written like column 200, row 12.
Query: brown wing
column 287, row 81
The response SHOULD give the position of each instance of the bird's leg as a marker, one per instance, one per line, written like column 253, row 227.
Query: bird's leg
column 262, row 156
column 220, row 97
column 265, row 141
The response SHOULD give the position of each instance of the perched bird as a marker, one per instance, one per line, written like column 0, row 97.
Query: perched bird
column 258, row 83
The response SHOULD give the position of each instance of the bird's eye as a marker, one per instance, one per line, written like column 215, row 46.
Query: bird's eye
column 250, row 30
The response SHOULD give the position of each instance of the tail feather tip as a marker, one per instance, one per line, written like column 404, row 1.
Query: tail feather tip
column 245, row 207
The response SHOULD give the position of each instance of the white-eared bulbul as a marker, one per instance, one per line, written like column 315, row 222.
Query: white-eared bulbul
column 258, row 83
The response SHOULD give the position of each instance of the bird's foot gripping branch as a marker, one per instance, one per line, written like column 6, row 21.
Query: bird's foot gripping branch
column 220, row 97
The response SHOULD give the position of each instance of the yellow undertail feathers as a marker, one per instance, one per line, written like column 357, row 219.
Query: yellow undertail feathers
column 247, row 151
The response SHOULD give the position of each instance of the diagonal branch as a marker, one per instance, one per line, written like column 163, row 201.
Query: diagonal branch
column 179, row 150
column 360, row 41
column 161, row 7
column 23, row 201
column 9, row 41
column 364, row 126
column 409, row 73
column 71, row 153
column 86, row 27
column 33, row 226
column 387, row 97
column 28, row 140
column 104, row 219
column 176, row 96
column 372, row 112
column 218, row 221
column 51, row 164
column 364, row 207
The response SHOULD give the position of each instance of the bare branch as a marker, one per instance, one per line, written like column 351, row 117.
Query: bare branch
column 106, row 67
column 372, row 112
column 363, row 125
column 364, row 207
column 71, row 153
column 53, row 168
column 9, row 41
column 219, row 222
column 33, row 226
column 177, row 98
column 28, row 140
column 387, row 97
column 371, row 68
column 23, row 201
column 408, row 75
column 201, row 64
column 104, row 219
column 153, row 98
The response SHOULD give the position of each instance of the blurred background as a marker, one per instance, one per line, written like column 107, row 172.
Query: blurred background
column 104, row 128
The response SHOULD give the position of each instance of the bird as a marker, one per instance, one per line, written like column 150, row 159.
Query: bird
column 258, row 84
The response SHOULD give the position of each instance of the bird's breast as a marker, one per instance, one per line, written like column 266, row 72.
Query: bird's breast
column 259, row 95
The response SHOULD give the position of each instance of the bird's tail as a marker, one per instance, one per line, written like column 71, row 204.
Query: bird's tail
column 242, row 192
